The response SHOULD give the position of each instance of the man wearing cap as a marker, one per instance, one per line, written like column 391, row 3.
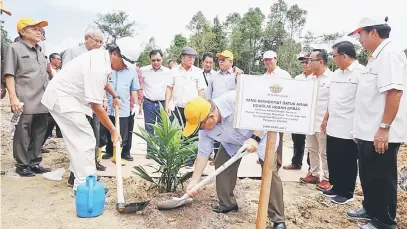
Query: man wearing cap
column 270, row 62
column 25, row 72
column 3, row 90
column 316, row 143
column 215, row 118
column 380, row 123
column 186, row 83
column 78, row 91
column 341, row 150
column 299, row 139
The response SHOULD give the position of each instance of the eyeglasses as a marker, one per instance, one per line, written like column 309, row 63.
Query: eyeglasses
column 222, row 59
column 334, row 55
column 96, row 40
column 314, row 60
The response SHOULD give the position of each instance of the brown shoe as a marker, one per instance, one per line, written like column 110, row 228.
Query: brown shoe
column 292, row 167
column 100, row 167
column 324, row 185
column 310, row 179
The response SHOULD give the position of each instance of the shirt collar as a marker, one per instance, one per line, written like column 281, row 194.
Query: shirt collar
column 211, row 72
column 276, row 69
column 30, row 46
column 152, row 69
column 230, row 71
column 379, row 48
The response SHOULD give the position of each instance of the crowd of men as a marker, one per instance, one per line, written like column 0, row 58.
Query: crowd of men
column 361, row 112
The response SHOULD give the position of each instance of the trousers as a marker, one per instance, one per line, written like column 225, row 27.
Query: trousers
column 226, row 183
column 378, row 178
column 28, row 139
column 79, row 140
column 317, row 154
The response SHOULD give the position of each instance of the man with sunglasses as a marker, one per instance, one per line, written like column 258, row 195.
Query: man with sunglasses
column 299, row 139
column 25, row 73
column 78, row 92
column 215, row 118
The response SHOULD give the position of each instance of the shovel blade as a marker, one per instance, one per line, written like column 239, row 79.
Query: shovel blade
column 131, row 207
column 173, row 203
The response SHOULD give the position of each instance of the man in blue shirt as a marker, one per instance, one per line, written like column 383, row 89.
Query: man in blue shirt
column 125, row 83
column 215, row 120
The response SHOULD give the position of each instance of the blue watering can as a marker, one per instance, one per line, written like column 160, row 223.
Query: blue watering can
column 90, row 198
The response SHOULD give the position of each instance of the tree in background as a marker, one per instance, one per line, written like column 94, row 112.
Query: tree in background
column 144, row 58
column 115, row 25
column 4, row 36
column 174, row 51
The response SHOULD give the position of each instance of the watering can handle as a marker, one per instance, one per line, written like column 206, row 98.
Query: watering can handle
column 90, row 196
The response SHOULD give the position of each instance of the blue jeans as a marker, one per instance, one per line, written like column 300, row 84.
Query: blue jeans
column 151, row 111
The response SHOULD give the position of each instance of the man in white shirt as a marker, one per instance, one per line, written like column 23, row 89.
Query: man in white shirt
column 380, row 122
column 270, row 62
column 79, row 91
column 154, row 90
column 341, row 150
column 208, row 60
column 299, row 139
column 186, row 83
column 316, row 143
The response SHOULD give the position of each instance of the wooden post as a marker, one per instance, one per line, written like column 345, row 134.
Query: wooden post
column 267, row 175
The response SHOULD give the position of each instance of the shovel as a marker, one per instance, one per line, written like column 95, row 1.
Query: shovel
column 186, row 198
column 122, row 206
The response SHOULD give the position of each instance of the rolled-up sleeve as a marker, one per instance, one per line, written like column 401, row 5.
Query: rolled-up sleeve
column 10, row 61
column 94, row 84
column 205, row 144
column 392, row 72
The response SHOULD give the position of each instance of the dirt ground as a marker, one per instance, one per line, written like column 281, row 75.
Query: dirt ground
column 40, row 203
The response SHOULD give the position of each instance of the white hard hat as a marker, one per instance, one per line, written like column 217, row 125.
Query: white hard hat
column 367, row 21
column 130, row 49
column 269, row 55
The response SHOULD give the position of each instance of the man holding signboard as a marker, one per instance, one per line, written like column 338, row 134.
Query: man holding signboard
column 317, row 142
column 380, row 123
column 270, row 62
column 215, row 120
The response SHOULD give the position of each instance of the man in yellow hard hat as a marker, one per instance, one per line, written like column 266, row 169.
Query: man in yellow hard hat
column 215, row 120
column 25, row 72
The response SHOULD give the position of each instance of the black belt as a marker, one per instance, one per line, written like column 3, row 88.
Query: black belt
column 157, row 101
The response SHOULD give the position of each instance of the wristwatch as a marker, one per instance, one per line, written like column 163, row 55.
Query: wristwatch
column 116, row 97
column 384, row 126
column 255, row 137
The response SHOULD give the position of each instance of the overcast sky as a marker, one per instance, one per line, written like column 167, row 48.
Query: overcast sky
column 163, row 19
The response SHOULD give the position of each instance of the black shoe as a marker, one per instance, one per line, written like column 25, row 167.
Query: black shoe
column 39, row 169
column 43, row 150
column 25, row 171
column 71, row 180
column 329, row 193
column 107, row 156
column 341, row 200
column 127, row 157
column 358, row 214
column 279, row 226
column 219, row 209
column 59, row 136
column 100, row 167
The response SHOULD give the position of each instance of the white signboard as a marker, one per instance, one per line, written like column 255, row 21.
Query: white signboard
column 274, row 104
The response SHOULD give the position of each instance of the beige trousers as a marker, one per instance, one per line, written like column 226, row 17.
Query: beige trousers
column 317, row 155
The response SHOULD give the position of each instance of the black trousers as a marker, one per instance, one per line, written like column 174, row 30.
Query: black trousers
column 50, row 128
column 126, row 149
column 342, row 158
column 95, row 124
column 299, row 149
column 378, row 177
column 28, row 139
column 124, row 132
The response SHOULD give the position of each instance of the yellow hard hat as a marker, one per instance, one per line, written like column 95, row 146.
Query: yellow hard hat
column 226, row 54
column 195, row 112
column 26, row 21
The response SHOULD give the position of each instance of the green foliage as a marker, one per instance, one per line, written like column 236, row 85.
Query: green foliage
column 144, row 58
column 363, row 55
column 174, row 51
column 4, row 36
column 170, row 150
column 115, row 25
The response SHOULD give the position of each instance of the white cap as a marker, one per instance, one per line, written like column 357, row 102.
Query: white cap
column 130, row 49
column 365, row 22
column 269, row 55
